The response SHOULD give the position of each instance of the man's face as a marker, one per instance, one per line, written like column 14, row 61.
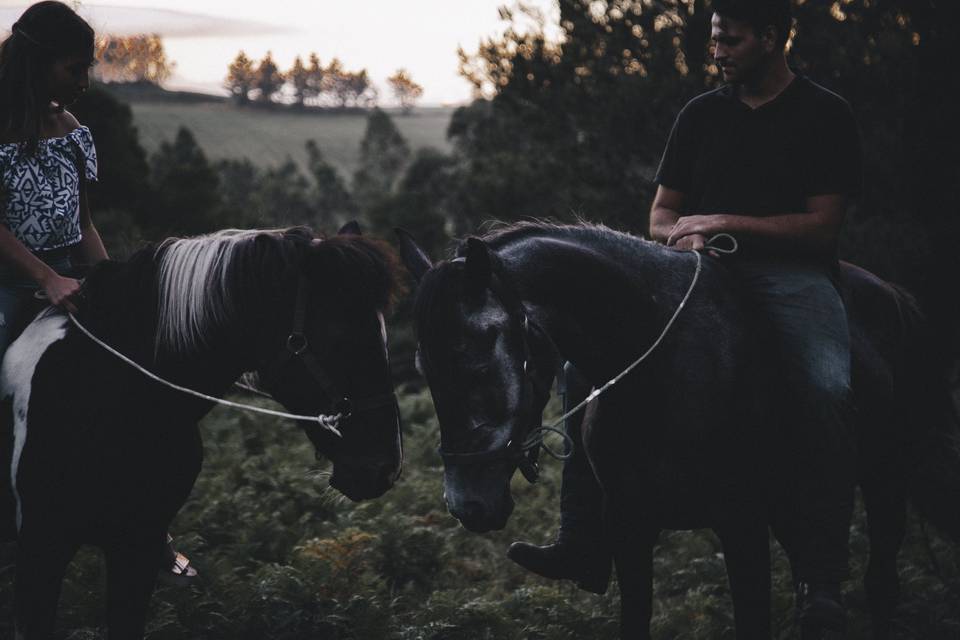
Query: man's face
column 738, row 49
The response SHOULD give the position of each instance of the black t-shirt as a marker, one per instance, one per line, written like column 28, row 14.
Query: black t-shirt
column 729, row 158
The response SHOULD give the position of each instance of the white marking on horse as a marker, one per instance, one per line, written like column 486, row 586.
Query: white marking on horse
column 383, row 335
column 16, row 378
column 194, row 293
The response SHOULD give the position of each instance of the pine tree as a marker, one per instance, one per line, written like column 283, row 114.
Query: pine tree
column 406, row 91
column 383, row 155
column 240, row 78
column 267, row 79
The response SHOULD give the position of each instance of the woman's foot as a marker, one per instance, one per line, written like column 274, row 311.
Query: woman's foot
column 175, row 568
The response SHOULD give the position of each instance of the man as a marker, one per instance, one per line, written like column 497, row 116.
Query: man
column 772, row 159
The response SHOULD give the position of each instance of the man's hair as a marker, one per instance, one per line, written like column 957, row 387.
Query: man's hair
column 758, row 14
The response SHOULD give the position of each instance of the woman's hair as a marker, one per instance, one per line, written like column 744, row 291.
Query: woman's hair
column 46, row 32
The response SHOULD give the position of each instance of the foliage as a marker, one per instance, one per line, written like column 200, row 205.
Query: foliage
column 241, row 78
column 299, row 79
column 283, row 557
column 333, row 201
column 132, row 59
column 383, row 155
column 186, row 188
column 122, row 190
column 405, row 90
column 306, row 85
column 267, row 79
column 574, row 125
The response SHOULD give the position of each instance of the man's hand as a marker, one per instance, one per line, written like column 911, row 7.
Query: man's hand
column 693, row 242
column 705, row 226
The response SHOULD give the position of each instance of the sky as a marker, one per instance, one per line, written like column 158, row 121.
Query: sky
column 203, row 36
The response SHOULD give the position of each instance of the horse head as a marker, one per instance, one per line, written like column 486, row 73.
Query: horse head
column 323, row 350
column 489, row 368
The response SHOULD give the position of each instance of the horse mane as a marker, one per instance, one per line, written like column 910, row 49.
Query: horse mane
column 196, row 276
column 498, row 233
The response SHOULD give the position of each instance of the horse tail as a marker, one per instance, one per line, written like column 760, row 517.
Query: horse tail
column 933, row 476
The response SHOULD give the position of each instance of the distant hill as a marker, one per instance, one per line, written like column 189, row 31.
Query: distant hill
column 268, row 136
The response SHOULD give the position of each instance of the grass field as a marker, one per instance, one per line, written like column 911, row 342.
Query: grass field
column 268, row 137
column 283, row 557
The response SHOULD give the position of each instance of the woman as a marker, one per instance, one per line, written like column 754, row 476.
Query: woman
column 46, row 159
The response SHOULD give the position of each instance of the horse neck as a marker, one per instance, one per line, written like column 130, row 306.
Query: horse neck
column 602, row 297
column 123, row 311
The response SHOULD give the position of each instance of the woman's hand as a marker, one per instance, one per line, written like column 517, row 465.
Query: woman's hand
column 61, row 291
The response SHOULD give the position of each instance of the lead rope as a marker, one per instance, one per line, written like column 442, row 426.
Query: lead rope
column 328, row 422
column 535, row 438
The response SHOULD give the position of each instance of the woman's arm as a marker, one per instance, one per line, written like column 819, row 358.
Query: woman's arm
column 59, row 289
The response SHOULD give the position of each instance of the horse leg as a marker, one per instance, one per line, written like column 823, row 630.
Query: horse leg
column 131, row 575
column 886, row 510
column 746, row 550
column 633, row 558
column 41, row 565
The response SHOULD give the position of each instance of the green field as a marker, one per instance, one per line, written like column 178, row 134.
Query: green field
column 269, row 137
column 284, row 557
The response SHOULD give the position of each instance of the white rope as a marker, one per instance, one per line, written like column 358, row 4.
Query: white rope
column 536, row 436
column 329, row 422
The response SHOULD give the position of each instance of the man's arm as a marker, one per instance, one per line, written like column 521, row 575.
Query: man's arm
column 664, row 215
column 816, row 230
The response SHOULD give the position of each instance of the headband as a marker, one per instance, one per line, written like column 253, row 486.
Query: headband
column 17, row 29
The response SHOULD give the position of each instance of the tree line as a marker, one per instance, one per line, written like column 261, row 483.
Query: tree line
column 312, row 84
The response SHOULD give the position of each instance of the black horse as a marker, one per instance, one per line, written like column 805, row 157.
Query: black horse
column 690, row 439
column 101, row 454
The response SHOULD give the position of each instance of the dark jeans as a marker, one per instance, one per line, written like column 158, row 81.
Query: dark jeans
column 806, row 324
column 18, row 304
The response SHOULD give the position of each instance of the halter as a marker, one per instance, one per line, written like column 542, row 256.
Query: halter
column 522, row 451
column 296, row 346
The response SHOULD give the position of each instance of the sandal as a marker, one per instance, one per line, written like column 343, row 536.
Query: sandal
column 175, row 568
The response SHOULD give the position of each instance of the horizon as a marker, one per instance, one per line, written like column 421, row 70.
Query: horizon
column 202, row 37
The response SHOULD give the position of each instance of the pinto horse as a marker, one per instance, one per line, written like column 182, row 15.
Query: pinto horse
column 691, row 438
column 101, row 454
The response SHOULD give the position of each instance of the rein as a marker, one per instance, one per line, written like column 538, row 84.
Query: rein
column 525, row 451
column 296, row 346
column 328, row 422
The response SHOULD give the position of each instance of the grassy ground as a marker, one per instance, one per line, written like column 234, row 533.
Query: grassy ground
column 283, row 557
column 269, row 137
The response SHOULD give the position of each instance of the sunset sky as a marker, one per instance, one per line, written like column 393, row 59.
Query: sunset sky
column 203, row 36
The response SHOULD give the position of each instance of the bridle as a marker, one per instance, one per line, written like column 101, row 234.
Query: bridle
column 522, row 449
column 524, row 452
column 296, row 347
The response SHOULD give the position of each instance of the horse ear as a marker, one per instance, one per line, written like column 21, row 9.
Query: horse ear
column 352, row 228
column 414, row 258
column 479, row 265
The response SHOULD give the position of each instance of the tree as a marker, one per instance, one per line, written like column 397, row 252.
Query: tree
column 267, row 79
column 405, row 90
column 186, row 187
column 135, row 58
column 299, row 79
column 333, row 202
column 315, row 77
column 383, row 155
column 240, row 78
